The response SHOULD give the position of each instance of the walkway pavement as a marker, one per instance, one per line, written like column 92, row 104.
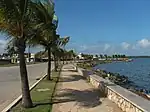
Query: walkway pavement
column 74, row 94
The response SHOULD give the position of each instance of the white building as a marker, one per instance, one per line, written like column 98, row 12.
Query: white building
column 15, row 58
column 80, row 56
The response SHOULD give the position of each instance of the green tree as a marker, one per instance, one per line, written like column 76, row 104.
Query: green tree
column 96, row 56
column 116, row 56
column 101, row 56
column 16, row 22
column 73, row 54
column 82, row 55
column 64, row 41
column 56, row 50
column 123, row 56
column 60, row 54
column 44, row 30
column 113, row 56
column 109, row 56
column 106, row 56
column 119, row 56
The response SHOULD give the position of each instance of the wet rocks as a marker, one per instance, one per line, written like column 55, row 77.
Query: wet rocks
column 124, row 82
column 113, row 77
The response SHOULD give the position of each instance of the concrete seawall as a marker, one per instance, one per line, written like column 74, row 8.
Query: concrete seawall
column 126, row 100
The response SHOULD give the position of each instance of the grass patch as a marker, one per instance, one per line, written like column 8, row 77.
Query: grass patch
column 41, row 99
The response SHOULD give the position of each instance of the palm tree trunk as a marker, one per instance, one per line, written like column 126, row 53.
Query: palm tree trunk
column 26, row 98
column 64, row 55
column 49, row 65
column 55, row 62
column 63, row 59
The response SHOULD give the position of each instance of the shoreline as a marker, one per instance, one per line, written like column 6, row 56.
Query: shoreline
column 116, row 78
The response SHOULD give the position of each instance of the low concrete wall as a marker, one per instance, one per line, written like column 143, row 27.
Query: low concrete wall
column 126, row 100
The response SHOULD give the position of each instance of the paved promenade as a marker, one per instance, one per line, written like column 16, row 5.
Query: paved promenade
column 74, row 94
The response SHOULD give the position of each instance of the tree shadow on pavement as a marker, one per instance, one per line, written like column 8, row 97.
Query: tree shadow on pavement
column 86, row 98
column 71, row 78
column 41, row 103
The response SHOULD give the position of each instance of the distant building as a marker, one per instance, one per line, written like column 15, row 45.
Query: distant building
column 94, row 57
column 80, row 56
column 102, row 59
column 30, row 57
column 4, row 56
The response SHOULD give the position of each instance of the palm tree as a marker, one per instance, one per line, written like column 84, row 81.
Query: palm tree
column 45, row 30
column 29, row 54
column 55, row 50
column 101, row 56
column 64, row 41
column 113, row 56
column 116, row 56
column 123, row 56
column 106, row 56
column 57, row 44
column 64, row 56
column 16, row 21
column 68, row 55
column 72, row 55
column 60, row 54
column 96, row 56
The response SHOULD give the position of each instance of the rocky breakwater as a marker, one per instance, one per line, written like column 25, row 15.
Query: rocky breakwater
column 113, row 77
column 122, row 81
column 116, row 78
column 125, row 99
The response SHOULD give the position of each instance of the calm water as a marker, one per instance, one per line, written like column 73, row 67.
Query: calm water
column 138, row 71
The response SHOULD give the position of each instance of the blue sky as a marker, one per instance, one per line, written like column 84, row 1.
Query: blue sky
column 104, row 26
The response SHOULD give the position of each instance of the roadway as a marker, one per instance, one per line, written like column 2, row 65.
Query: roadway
column 10, row 86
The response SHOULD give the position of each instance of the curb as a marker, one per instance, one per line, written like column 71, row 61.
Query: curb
column 7, row 109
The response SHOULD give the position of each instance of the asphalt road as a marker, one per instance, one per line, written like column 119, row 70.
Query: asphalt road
column 10, row 87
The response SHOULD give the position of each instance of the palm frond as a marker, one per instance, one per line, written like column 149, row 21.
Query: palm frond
column 10, row 9
column 43, row 14
column 15, row 16
column 64, row 40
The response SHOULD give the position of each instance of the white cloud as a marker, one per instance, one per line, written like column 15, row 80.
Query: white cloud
column 134, row 47
column 125, row 45
column 84, row 47
column 137, row 48
column 144, row 43
column 106, row 47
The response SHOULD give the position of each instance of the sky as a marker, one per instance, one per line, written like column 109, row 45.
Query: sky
column 103, row 26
